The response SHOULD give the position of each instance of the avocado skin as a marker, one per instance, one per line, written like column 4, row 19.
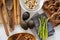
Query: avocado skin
column 31, row 24
column 24, row 25
column 25, row 15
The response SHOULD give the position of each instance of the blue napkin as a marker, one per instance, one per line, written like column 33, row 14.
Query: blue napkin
column 36, row 21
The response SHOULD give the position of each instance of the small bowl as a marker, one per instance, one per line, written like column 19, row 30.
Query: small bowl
column 40, row 4
column 14, row 37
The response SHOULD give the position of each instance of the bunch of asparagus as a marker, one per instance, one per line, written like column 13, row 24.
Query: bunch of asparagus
column 43, row 28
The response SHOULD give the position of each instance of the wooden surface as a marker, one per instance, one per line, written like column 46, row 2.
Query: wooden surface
column 4, row 22
column 4, row 18
column 16, row 12
column 4, row 11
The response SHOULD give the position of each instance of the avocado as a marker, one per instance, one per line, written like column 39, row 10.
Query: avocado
column 25, row 16
column 30, row 24
column 24, row 25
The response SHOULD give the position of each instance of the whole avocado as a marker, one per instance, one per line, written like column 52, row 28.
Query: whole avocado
column 25, row 15
column 31, row 24
column 24, row 25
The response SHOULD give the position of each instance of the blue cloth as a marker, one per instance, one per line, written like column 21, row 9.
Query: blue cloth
column 50, row 27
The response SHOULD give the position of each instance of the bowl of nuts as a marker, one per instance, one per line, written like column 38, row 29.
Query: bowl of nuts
column 31, row 5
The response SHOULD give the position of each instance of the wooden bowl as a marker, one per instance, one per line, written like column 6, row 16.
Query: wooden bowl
column 15, row 36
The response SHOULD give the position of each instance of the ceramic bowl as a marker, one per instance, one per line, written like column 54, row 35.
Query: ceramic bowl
column 40, row 4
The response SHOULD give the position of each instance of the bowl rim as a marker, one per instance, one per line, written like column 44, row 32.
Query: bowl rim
column 22, row 33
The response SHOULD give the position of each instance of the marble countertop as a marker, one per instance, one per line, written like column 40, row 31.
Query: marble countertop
column 18, row 29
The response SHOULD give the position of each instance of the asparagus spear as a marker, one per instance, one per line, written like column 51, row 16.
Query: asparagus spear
column 46, row 29
column 43, row 28
column 39, row 33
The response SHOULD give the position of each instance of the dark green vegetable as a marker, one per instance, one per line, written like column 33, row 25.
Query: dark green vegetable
column 43, row 28
column 31, row 24
column 24, row 25
column 25, row 15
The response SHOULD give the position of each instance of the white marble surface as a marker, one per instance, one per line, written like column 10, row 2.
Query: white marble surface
column 18, row 29
column 56, row 35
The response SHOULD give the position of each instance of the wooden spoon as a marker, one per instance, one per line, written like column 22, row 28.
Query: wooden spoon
column 9, row 5
column 1, row 14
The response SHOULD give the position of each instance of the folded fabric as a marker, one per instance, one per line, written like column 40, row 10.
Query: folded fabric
column 36, row 21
